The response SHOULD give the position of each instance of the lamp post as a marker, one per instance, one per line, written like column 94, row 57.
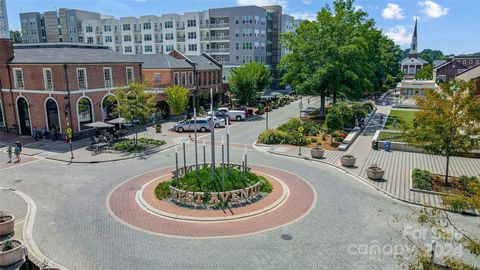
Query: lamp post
column 432, row 255
column 212, row 137
column 300, row 106
column 266, row 118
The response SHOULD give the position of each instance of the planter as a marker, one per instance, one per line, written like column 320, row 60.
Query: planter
column 158, row 129
column 11, row 256
column 7, row 227
column 317, row 152
column 375, row 173
column 348, row 161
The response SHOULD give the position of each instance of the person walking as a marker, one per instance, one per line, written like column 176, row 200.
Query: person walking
column 35, row 133
column 9, row 151
column 53, row 133
column 18, row 150
column 44, row 133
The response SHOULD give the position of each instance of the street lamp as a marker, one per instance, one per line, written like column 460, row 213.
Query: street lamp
column 300, row 106
column 266, row 110
column 432, row 256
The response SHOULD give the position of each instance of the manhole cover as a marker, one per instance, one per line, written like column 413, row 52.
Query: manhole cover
column 18, row 181
column 286, row 237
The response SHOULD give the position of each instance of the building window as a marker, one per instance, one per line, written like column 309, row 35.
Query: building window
column 130, row 77
column 2, row 117
column 147, row 25
column 184, row 79
column 127, row 38
column 175, row 77
column 128, row 49
column 107, row 28
column 107, row 77
column 168, row 36
column 108, row 39
column 90, row 40
column 148, row 48
column 126, row 27
column 89, row 29
column 192, row 47
column 191, row 23
column 156, row 78
column 168, row 24
column 18, row 76
column 147, row 37
column 190, row 77
column 169, row 48
column 192, row 35
column 85, row 115
column 47, row 79
column 82, row 78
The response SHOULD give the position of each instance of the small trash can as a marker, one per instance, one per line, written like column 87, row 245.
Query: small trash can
column 388, row 145
column 375, row 145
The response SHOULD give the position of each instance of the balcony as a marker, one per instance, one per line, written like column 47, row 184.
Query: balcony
column 219, row 25
column 205, row 39
column 204, row 26
column 180, row 27
column 180, row 39
column 220, row 50
column 218, row 38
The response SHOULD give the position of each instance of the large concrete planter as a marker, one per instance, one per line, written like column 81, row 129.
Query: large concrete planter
column 348, row 160
column 7, row 227
column 375, row 173
column 11, row 256
column 317, row 152
column 158, row 128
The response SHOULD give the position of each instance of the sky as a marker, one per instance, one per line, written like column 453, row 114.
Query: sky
column 451, row 26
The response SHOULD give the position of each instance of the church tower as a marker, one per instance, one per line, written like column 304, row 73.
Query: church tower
column 413, row 48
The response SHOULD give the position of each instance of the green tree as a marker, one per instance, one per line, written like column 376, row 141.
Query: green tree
column 425, row 73
column 447, row 123
column 177, row 98
column 341, row 54
column 248, row 80
column 16, row 36
column 334, row 120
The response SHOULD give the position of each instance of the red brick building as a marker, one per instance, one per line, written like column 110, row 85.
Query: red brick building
column 447, row 71
column 59, row 85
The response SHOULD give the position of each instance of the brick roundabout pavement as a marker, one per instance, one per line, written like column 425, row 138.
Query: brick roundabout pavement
column 133, row 203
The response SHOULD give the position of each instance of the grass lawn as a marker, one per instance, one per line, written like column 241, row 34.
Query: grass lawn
column 399, row 117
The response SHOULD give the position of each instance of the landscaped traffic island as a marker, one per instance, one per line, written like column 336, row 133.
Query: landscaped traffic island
column 232, row 186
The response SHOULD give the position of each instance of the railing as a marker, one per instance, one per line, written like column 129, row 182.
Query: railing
column 220, row 50
column 219, row 37
column 219, row 25
column 180, row 39
column 204, row 26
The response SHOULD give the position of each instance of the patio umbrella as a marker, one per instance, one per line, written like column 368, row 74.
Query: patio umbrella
column 99, row 125
column 119, row 120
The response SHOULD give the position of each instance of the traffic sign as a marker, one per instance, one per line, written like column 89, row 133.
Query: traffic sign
column 69, row 132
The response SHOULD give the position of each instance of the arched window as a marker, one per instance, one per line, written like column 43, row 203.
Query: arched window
column 51, row 111
column 109, row 103
column 23, row 116
column 84, row 112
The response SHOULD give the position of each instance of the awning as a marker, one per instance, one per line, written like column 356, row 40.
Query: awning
column 119, row 120
column 99, row 125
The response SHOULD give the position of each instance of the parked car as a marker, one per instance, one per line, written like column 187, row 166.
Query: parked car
column 186, row 125
column 232, row 114
column 218, row 122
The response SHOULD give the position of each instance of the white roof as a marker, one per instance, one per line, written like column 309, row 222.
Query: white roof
column 412, row 60
column 418, row 84
column 469, row 74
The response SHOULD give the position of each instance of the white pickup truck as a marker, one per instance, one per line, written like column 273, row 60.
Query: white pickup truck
column 232, row 114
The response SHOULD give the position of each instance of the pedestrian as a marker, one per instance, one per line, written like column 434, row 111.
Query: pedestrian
column 35, row 133
column 18, row 150
column 53, row 133
column 9, row 151
column 44, row 132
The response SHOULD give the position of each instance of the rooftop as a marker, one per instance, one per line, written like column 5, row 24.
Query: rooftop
column 160, row 61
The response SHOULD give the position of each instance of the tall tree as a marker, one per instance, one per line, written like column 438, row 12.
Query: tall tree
column 177, row 98
column 16, row 36
column 447, row 123
column 135, row 102
column 425, row 73
column 339, row 54
column 248, row 80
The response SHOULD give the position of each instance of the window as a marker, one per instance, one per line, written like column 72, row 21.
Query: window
column 85, row 115
column 2, row 121
column 18, row 76
column 184, row 80
column 169, row 48
column 126, row 27
column 156, row 78
column 147, row 25
column 90, row 40
column 107, row 28
column 107, row 77
column 168, row 36
column 191, row 23
column 190, row 77
column 108, row 39
column 175, row 76
column 47, row 79
column 127, row 38
column 148, row 48
column 128, row 49
column 168, row 24
column 129, row 71
column 89, row 29
column 192, row 35
column 192, row 47
column 147, row 37
column 82, row 78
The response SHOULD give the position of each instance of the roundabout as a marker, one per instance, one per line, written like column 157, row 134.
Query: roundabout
column 134, row 204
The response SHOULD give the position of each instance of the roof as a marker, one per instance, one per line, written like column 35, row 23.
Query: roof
column 475, row 70
column 202, row 62
column 437, row 63
column 161, row 61
column 66, row 53
column 446, row 63
column 409, row 59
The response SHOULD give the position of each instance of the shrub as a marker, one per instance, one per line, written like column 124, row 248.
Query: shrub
column 368, row 105
column 273, row 136
column 7, row 245
column 359, row 111
column 260, row 106
column 310, row 127
column 314, row 140
column 297, row 138
column 422, row 179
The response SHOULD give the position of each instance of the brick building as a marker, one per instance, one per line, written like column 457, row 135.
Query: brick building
column 59, row 85
column 472, row 73
column 447, row 71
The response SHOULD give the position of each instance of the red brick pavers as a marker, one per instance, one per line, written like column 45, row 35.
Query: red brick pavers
column 23, row 160
column 122, row 205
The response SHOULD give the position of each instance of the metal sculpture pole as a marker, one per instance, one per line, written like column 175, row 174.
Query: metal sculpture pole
column 196, row 155
column 176, row 164
column 246, row 164
column 223, row 167
column 184, row 159
column 228, row 148
column 204, row 155
column 212, row 127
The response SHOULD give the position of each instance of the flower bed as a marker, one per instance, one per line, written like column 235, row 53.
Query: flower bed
column 128, row 145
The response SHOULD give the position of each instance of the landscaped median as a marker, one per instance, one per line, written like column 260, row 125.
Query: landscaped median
column 129, row 145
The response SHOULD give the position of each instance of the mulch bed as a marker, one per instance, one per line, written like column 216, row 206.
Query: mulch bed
column 438, row 183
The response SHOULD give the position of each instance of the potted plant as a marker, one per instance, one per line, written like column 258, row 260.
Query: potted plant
column 7, row 223
column 317, row 151
column 375, row 172
column 10, row 252
column 348, row 160
column 158, row 128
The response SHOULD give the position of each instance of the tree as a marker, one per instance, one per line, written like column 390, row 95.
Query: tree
column 248, row 80
column 334, row 120
column 447, row 123
column 426, row 73
column 16, row 36
column 340, row 54
column 177, row 98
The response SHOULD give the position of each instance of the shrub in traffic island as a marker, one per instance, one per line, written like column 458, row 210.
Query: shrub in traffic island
column 310, row 128
column 7, row 223
column 422, row 179
column 10, row 252
column 273, row 136
column 239, row 188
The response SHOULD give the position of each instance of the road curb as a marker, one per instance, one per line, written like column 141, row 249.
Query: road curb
column 366, row 181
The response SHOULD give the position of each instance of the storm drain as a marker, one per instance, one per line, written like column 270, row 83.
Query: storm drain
column 286, row 237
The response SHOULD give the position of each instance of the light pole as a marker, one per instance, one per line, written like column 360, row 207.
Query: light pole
column 300, row 106
column 212, row 137
column 432, row 255
column 266, row 118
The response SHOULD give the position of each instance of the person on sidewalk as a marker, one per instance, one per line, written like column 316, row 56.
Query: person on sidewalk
column 9, row 151
column 18, row 150
column 35, row 133
column 44, row 133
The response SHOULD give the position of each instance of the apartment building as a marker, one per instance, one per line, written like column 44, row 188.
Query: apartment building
column 55, row 26
column 4, row 30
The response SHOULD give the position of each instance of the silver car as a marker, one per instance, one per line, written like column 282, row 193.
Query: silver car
column 218, row 122
column 186, row 125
